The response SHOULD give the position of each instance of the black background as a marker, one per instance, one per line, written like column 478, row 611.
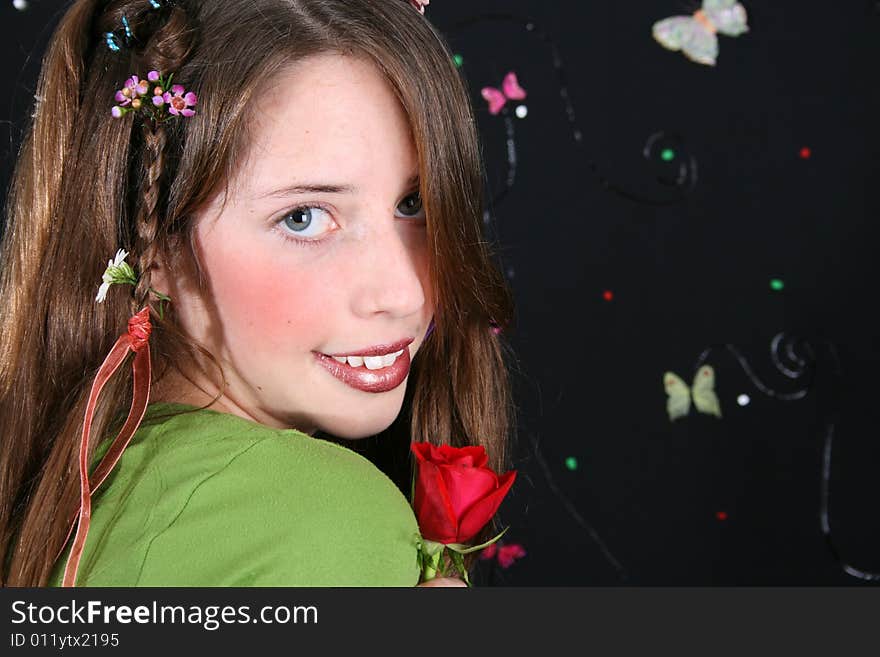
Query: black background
column 689, row 265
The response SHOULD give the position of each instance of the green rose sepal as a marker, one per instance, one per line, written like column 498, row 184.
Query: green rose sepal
column 430, row 557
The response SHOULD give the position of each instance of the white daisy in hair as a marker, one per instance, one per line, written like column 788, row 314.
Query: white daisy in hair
column 118, row 271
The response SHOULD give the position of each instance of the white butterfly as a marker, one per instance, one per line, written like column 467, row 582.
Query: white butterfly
column 678, row 403
column 695, row 35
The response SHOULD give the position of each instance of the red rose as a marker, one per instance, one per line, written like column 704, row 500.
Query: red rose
column 455, row 495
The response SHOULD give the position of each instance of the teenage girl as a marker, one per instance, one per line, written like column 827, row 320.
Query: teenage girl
column 304, row 231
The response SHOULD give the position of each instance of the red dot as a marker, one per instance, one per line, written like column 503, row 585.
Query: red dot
column 721, row 515
column 805, row 153
column 608, row 295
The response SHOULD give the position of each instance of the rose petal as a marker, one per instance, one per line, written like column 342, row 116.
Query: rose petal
column 475, row 518
column 433, row 510
column 445, row 454
column 466, row 486
column 470, row 455
column 474, row 456
column 437, row 454
column 422, row 451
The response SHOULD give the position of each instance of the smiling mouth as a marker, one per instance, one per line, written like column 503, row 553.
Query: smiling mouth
column 372, row 375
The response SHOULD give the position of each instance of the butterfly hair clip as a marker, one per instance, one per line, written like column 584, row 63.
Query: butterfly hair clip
column 678, row 402
column 510, row 90
column 123, row 37
column 696, row 36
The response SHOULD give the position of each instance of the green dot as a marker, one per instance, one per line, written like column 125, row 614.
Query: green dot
column 458, row 59
column 571, row 463
column 776, row 284
column 667, row 154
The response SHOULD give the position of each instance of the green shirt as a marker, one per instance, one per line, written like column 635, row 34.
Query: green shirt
column 212, row 499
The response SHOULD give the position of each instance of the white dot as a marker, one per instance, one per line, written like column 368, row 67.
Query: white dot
column 21, row 5
column 522, row 111
column 743, row 400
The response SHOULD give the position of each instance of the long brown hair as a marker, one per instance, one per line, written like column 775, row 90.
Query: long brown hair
column 86, row 185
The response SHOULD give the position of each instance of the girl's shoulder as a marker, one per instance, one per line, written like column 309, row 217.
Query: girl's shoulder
column 202, row 498
column 190, row 446
column 192, row 442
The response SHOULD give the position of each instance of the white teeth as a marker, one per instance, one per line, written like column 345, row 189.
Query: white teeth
column 373, row 362
column 390, row 358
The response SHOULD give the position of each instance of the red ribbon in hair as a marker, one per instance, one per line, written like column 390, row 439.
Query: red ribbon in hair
column 136, row 340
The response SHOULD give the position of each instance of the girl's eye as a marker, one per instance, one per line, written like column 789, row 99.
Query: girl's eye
column 307, row 222
column 411, row 206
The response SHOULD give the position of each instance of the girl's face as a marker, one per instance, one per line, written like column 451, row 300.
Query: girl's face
column 319, row 249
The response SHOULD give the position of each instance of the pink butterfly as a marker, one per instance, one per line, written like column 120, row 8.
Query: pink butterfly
column 507, row 554
column 510, row 90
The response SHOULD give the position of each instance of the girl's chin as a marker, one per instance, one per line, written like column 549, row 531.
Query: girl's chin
column 358, row 426
column 355, row 431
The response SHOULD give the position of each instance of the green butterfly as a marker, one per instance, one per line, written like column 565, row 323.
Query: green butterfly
column 679, row 394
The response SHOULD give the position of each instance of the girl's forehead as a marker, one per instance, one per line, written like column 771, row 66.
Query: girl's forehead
column 328, row 115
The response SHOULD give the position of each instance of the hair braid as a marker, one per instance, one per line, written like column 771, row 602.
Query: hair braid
column 165, row 39
column 148, row 218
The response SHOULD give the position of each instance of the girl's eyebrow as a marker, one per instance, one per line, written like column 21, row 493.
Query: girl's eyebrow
column 324, row 188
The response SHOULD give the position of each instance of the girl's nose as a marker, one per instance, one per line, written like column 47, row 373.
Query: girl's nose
column 389, row 275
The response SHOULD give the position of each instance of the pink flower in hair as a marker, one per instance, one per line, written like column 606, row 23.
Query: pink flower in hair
column 131, row 90
column 136, row 86
column 179, row 101
column 420, row 4
column 161, row 95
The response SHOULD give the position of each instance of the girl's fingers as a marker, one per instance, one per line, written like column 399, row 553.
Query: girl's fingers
column 444, row 581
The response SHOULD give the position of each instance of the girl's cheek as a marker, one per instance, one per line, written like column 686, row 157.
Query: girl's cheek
column 270, row 302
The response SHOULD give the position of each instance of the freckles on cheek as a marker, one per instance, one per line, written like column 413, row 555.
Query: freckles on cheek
column 270, row 303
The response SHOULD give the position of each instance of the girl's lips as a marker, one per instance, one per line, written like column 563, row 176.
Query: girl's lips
column 361, row 378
